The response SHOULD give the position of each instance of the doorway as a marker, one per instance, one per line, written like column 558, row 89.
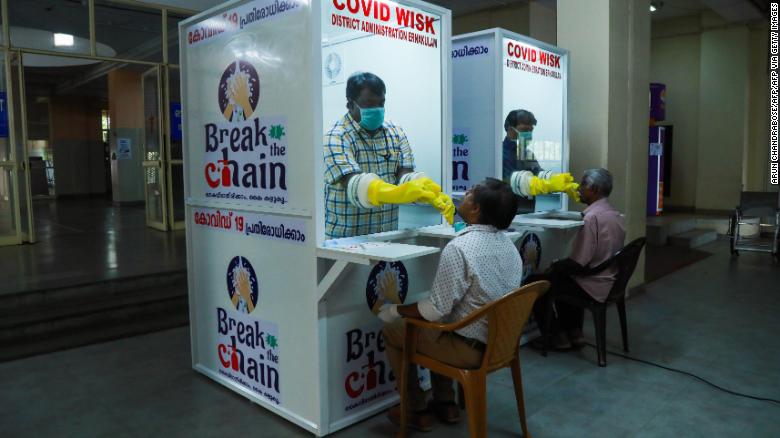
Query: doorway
column 101, row 130
column 54, row 55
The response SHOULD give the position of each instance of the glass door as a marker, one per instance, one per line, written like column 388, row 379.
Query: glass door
column 175, row 165
column 154, row 170
column 19, row 139
column 15, row 201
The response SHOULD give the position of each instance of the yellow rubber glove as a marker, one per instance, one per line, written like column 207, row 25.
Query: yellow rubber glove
column 572, row 191
column 430, row 186
column 380, row 192
column 440, row 201
column 444, row 204
column 538, row 186
column 559, row 182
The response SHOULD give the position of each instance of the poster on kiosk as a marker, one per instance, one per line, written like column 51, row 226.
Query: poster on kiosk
column 282, row 310
column 510, row 114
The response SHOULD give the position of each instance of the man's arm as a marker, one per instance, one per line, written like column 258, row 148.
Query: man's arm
column 340, row 163
column 449, row 287
column 410, row 311
column 585, row 242
column 406, row 162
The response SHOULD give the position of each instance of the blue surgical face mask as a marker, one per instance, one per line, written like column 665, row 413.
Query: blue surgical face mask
column 371, row 118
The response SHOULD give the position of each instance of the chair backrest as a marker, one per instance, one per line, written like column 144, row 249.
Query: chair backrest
column 759, row 203
column 506, row 319
column 626, row 260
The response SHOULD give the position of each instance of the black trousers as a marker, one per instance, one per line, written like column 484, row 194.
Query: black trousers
column 566, row 317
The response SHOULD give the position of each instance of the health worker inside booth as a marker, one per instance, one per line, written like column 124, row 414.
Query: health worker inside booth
column 534, row 168
column 520, row 167
column 370, row 166
column 516, row 148
column 383, row 121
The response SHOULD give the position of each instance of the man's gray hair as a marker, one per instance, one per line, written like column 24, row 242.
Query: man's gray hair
column 599, row 179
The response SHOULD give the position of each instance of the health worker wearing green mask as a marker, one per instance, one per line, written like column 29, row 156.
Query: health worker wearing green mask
column 369, row 167
column 519, row 126
column 519, row 166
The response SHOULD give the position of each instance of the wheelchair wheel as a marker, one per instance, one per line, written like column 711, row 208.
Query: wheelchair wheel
column 732, row 233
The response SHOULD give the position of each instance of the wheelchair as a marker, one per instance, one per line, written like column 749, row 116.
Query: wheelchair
column 755, row 205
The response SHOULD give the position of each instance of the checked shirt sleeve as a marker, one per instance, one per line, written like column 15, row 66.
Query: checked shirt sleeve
column 407, row 157
column 339, row 160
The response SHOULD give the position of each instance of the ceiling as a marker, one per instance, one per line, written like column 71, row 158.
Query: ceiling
column 136, row 33
column 731, row 10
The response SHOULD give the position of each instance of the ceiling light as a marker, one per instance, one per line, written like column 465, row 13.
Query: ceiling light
column 63, row 40
column 656, row 5
column 653, row 8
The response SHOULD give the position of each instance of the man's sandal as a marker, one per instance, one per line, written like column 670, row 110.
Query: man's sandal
column 446, row 412
column 421, row 421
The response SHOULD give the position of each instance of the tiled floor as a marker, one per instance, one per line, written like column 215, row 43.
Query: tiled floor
column 716, row 318
column 82, row 241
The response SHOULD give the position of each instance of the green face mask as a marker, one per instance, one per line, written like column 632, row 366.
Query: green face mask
column 371, row 118
column 527, row 136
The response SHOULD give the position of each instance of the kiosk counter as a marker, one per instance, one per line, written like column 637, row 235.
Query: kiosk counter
column 280, row 314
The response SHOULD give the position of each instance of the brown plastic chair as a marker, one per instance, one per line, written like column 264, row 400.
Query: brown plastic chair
column 506, row 318
column 626, row 260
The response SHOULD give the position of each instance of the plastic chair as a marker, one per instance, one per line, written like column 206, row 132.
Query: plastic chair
column 755, row 205
column 506, row 318
column 626, row 260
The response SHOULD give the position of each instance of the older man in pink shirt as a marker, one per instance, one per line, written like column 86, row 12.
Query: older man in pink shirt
column 600, row 238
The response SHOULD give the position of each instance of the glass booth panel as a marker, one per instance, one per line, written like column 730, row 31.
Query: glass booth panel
column 399, row 45
column 534, row 84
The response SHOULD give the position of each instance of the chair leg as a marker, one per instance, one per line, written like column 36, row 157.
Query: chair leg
column 518, row 381
column 600, row 321
column 404, row 395
column 476, row 403
column 621, row 307
column 461, row 397
column 548, row 313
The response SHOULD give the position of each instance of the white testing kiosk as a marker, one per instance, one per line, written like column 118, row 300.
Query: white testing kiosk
column 278, row 314
column 494, row 72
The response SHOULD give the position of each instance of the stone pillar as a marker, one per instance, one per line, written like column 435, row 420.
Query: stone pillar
column 723, row 111
column 609, row 42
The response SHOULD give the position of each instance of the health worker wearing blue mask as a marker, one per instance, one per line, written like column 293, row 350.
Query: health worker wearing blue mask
column 369, row 167
column 519, row 126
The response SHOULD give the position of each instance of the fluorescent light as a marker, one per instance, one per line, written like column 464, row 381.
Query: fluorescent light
column 653, row 8
column 63, row 40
